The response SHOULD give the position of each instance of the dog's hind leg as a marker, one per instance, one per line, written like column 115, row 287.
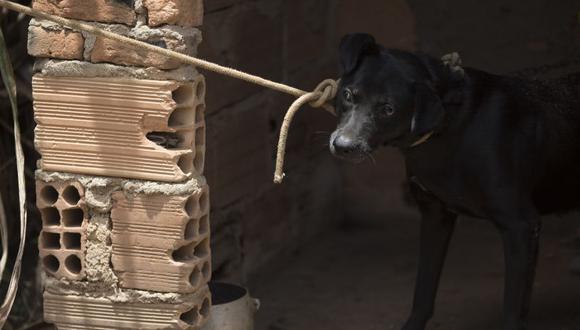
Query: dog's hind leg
column 520, row 234
column 437, row 225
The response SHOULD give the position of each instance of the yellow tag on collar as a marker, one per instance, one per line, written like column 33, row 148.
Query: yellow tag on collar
column 423, row 139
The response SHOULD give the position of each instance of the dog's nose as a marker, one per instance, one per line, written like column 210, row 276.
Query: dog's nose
column 343, row 144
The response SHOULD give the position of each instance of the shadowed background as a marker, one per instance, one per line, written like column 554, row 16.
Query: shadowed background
column 334, row 246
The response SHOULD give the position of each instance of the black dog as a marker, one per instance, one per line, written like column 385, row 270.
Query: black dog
column 478, row 144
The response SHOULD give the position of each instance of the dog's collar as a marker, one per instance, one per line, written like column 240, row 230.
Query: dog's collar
column 423, row 139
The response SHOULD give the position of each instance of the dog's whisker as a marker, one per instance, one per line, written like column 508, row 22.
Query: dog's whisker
column 320, row 133
column 371, row 158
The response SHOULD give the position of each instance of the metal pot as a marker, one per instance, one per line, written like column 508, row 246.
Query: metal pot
column 232, row 308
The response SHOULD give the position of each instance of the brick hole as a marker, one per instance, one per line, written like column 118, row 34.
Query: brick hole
column 51, row 263
column 50, row 216
column 167, row 140
column 71, row 195
column 181, row 117
column 204, row 202
column 184, row 253
column 185, row 163
column 183, row 94
column 190, row 317
column 72, row 263
column 71, row 241
column 206, row 271
column 49, row 195
column 195, row 277
column 200, row 90
column 190, row 229
column 199, row 113
column 73, row 217
column 202, row 249
column 191, row 206
column 49, row 240
column 204, row 310
column 204, row 225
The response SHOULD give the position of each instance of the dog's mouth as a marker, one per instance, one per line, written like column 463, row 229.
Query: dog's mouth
column 355, row 158
column 353, row 149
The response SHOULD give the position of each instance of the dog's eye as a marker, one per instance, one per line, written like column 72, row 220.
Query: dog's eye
column 347, row 94
column 389, row 110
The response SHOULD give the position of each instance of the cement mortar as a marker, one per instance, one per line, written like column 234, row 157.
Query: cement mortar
column 98, row 190
column 48, row 25
column 50, row 67
column 98, row 251
column 141, row 12
column 114, row 293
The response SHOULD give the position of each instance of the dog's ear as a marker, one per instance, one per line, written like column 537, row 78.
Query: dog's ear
column 429, row 111
column 353, row 47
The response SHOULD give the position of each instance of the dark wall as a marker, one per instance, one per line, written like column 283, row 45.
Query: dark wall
column 254, row 220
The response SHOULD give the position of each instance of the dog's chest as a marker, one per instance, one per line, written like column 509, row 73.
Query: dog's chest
column 453, row 191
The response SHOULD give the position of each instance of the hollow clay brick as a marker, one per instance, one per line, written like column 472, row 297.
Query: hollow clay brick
column 70, row 312
column 64, row 218
column 161, row 243
column 62, row 44
column 106, row 11
column 99, row 126
column 174, row 12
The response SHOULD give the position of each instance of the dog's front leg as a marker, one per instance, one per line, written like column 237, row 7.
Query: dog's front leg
column 437, row 226
column 520, row 237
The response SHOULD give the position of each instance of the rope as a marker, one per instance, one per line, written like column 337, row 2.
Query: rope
column 324, row 92
column 320, row 97
column 10, row 85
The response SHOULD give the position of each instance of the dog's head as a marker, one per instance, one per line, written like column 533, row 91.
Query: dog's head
column 385, row 97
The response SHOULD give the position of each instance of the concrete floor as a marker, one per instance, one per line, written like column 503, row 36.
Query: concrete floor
column 362, row 277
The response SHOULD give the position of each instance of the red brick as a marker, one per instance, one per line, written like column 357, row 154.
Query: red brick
column 61, row 44
column 106, row 11
column 181, row 40
column 187, row 13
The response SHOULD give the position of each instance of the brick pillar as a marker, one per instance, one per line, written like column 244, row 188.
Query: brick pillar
column 120, row 186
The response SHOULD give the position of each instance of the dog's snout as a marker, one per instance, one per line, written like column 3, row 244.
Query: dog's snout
column 344, row 144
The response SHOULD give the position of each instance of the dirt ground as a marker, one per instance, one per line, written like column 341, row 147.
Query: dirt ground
column 362, row 277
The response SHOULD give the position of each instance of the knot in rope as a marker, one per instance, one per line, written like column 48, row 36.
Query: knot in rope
column 326, row 92
column 320, row 97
